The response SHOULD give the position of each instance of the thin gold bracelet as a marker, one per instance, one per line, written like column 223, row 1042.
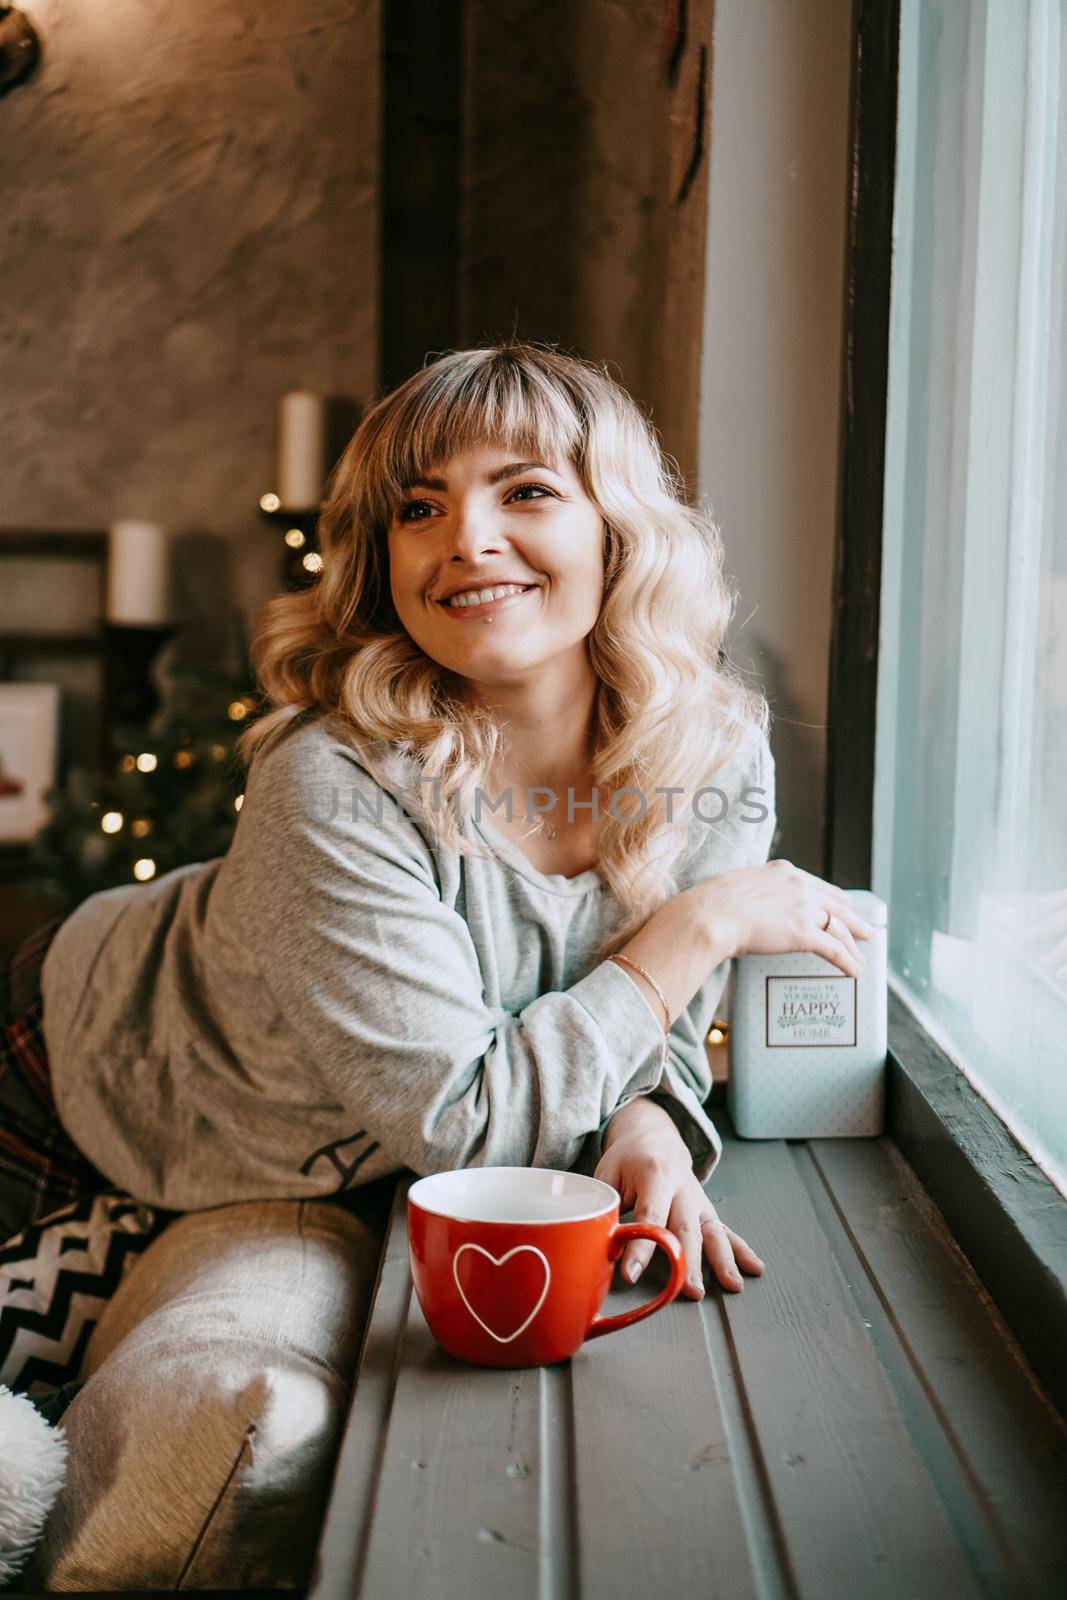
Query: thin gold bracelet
column 659, row 991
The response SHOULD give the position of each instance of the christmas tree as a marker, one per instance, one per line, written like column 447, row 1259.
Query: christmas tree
column 172, row 790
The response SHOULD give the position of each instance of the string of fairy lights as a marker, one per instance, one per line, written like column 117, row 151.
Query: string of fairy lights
column 293, row 537
column 113, row 821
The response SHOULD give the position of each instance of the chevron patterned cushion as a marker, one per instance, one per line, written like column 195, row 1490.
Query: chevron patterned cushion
column 56, row 1276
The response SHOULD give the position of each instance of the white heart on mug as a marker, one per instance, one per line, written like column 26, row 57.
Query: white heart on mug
column 499, row 1261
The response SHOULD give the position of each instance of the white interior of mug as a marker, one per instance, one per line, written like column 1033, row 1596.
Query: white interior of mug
column 513, row 1194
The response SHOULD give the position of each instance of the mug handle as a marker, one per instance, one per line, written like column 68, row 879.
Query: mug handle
column 621, row 1234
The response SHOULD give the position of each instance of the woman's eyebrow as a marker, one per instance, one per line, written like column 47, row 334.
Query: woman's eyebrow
column 512, row 470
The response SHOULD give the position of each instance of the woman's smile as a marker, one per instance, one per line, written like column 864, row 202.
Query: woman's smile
column 467, row 606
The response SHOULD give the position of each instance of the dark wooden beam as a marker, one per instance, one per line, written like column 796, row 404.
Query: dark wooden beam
column 421, row 129
column 865, row 378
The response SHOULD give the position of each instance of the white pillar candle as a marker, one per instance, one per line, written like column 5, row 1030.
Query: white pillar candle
column 137, row 574
column 301, row 449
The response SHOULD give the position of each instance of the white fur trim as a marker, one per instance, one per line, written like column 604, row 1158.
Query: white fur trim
column 33, row 1466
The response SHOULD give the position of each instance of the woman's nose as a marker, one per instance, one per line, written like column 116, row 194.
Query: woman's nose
column 472, row 529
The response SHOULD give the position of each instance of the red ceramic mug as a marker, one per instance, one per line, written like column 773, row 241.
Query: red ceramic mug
column 512, row 1264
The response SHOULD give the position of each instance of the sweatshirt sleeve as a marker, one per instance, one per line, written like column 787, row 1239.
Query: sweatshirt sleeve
column 682, row 1090
column 686, row 1082
column 380, row 981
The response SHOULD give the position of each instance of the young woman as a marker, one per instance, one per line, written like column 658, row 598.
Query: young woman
column 504, row 826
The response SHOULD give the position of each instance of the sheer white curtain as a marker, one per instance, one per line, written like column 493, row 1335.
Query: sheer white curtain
column 971, row 764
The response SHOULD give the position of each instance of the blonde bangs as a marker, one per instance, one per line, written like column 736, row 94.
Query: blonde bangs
column 444, row 410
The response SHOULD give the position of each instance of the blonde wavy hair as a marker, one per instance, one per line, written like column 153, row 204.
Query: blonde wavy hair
column 670, row 708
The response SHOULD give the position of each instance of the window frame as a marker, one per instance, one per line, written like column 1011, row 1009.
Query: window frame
column 1005, row 1213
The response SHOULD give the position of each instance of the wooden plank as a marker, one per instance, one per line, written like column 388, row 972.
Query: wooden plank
column 858, row 1510
column 559, row 1513
column 762, row 1531
column 441, row 1471
column 993, row 1441
column 458, row 1509
column 346, row 1528
column 655, row 1463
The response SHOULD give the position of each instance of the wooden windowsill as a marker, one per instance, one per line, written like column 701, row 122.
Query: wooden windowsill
column 858, row 1421
column 1006, row 1215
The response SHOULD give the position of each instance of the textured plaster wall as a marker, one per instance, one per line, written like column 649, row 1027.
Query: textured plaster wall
column 191, row 209
column 770, row 409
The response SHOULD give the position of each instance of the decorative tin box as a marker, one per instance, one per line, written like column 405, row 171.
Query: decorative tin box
column 808, row 1043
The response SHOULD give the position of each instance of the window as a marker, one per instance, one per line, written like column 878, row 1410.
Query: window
column 970, row 818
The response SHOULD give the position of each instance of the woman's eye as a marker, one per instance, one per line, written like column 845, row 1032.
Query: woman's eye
column 539, row 486
column 404, row 512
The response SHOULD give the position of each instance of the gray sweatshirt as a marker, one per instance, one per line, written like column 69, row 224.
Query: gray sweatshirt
column 340, row 997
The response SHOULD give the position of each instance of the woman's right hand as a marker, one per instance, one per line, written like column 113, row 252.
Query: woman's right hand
column 778, row 908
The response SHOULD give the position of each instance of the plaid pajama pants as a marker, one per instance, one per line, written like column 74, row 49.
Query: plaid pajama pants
column 67, row 1235
column 41, row 1169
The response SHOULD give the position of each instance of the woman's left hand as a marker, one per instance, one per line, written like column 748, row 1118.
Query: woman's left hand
column 648, row 1162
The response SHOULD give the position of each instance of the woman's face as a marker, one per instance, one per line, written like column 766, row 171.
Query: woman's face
column 486, row 519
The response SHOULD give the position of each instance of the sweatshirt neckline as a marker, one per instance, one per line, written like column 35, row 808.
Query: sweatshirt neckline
column 554, row 882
